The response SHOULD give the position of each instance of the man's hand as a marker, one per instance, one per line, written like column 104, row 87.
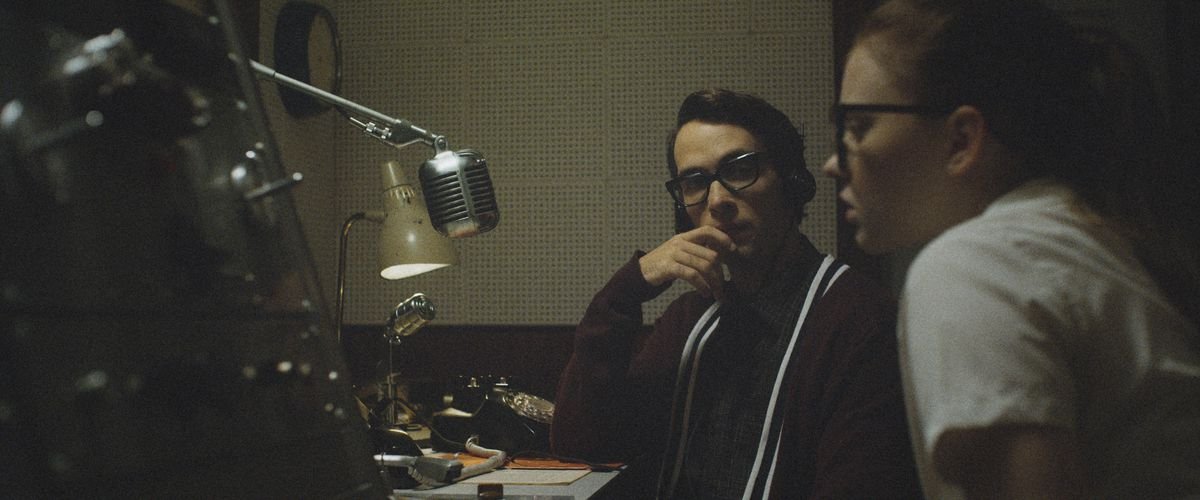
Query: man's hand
column 694, row 257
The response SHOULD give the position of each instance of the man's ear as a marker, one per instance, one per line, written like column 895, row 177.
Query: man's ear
column 968, row 133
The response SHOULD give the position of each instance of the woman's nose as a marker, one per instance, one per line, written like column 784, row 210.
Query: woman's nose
column 831, row 168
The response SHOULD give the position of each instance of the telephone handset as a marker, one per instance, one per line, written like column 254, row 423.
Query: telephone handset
column 504, row 419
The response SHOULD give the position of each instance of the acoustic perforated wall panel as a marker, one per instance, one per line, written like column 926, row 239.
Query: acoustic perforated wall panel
column 571, row 103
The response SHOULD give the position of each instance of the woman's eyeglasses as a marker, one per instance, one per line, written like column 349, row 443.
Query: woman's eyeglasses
column 735, row 174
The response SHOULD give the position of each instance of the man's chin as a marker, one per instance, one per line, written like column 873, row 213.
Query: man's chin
column 745, row 254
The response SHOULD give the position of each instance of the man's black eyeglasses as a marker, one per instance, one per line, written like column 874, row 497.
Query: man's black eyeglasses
column 735, row 174
column 839, row 111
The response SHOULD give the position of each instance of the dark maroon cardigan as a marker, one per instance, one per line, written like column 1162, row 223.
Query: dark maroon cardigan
column 845, row 433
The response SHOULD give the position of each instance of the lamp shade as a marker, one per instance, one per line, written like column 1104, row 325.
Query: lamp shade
column 408, row 243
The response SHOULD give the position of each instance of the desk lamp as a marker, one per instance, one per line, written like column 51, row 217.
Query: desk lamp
column 461, row 203
column 408, row 244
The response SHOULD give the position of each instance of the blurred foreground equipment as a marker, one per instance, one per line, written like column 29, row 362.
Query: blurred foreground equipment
column 161, row 330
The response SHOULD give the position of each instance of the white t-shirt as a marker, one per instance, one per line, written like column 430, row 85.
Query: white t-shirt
column 1033, row 313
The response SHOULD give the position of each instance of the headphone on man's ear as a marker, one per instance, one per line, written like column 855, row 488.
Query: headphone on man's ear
column 799, row 187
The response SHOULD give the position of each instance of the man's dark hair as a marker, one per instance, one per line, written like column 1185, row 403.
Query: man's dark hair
column 784, row 143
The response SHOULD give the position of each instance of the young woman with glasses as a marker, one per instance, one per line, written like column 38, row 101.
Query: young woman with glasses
column 1048, row 325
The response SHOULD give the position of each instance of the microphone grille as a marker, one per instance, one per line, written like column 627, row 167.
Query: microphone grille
column 480, row 184
column 459, row 194
column 410, row 315
column 423, row 307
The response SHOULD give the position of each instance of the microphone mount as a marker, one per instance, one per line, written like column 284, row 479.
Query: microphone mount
column 394, row 132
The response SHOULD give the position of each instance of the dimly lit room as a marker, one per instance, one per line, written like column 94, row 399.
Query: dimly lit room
column 468, row 249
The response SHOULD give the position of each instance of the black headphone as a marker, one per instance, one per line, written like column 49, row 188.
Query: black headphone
column 799, row 187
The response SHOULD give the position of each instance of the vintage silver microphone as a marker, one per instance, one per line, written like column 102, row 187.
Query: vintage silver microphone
column 458, row 193
column 410, row 315
column 458, row 190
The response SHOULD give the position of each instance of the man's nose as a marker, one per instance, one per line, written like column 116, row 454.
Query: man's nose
column 831, row 168
column 719, row 197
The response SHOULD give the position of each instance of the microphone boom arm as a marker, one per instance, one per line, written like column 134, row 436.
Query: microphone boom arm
column 395, row 132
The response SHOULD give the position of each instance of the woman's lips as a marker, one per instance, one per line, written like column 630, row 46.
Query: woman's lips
column 851, row 212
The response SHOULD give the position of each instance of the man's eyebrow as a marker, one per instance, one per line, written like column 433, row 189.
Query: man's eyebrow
column 733, row 154
column 724, row 159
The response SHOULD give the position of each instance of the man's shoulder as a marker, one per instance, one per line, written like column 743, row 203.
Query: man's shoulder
column 854, row 298
column 852, row 285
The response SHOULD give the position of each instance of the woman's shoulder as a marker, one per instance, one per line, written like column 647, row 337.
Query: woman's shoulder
column 1038, row 231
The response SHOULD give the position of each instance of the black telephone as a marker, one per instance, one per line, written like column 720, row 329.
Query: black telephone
column 503, row 419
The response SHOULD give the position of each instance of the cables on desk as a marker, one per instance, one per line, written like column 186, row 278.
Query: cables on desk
column 433, row 471
column 495, row 459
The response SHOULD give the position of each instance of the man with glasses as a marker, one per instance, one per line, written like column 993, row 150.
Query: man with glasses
column 777, row 375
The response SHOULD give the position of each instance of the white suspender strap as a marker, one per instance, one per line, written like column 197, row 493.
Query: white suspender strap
column 768, row 448
column 772, row 431
column 680, row 416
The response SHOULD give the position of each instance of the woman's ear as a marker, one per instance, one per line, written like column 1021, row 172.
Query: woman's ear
column 968, row 134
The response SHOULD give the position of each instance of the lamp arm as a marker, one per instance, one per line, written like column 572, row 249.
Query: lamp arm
column 394, row 131
column 341, row 269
